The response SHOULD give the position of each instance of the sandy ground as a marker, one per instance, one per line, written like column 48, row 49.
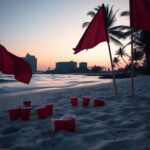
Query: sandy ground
column 122, row 124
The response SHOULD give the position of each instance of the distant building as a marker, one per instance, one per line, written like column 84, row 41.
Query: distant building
column 32, row 60
column 83, row 66
column 96, row 69
column 66, row 67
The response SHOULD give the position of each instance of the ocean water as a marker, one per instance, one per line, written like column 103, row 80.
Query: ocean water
column 47, row 81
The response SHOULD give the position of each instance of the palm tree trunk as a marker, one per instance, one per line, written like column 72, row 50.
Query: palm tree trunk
column 118, row 66
column 124, row 61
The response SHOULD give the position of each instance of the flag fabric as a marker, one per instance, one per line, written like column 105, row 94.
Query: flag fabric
column 140, row 14
column 95, row 33
column 11, row 64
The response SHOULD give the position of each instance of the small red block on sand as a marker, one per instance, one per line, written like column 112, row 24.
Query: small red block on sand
column 25, row 113
column 14, row 113
column 86, row 101
column 49, row 109
column 66, row 123
column 74, row 101
column 99, row 102
column 41, row 112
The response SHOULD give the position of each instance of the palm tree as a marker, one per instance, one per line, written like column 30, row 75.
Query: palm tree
column 115, row 32
column 140, row 42
column 121, row 53
column 138, row 56
column 116, row 62
column 145, row 38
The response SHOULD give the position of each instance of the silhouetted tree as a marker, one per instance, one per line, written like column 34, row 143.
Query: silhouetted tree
column 116, row 62
column 121, row 53
column 142, row 42
column 145, row 39
column 115, row 32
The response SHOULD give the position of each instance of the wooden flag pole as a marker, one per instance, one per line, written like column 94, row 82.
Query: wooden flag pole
column 115, row 86
column 132, row 66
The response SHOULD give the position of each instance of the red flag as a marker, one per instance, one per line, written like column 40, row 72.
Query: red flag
column 95, row 33
column 11, row 64
column 140, row 14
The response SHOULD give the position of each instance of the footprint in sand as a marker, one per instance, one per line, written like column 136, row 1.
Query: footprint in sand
column 10, row 130
column 8, row 136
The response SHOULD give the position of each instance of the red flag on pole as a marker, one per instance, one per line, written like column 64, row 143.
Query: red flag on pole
column 140, row 14
column 95, row 33
column 11, row 64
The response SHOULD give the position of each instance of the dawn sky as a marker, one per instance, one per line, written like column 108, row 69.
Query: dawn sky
column 49, row 29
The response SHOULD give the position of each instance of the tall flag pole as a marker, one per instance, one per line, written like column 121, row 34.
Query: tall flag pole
column 132, row 66
column 139, row 19
column 113, row 73
column 11, row 64
column 96, row 33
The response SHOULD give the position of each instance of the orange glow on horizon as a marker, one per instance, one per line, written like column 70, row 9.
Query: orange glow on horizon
column 50, row 35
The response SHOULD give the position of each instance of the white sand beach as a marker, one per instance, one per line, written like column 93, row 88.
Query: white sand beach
column 122, row 124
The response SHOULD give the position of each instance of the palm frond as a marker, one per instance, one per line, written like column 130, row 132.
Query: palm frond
column 116, row 60
column 117, row 34
column 138, row 55
column 91, row 13
column 119, row 52
column 125, row 13
column 127, row 33
column 120, row 27
column 126, row 45
column 106, row 10
column 85, row 24
column 116, row 41
column 138, row 43
column 110, row 14
column 112, row 19
column 97, row 8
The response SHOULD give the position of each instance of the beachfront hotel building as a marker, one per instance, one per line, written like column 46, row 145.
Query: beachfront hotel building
column 32, row 60
column 66, row 67
column 83, row 66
